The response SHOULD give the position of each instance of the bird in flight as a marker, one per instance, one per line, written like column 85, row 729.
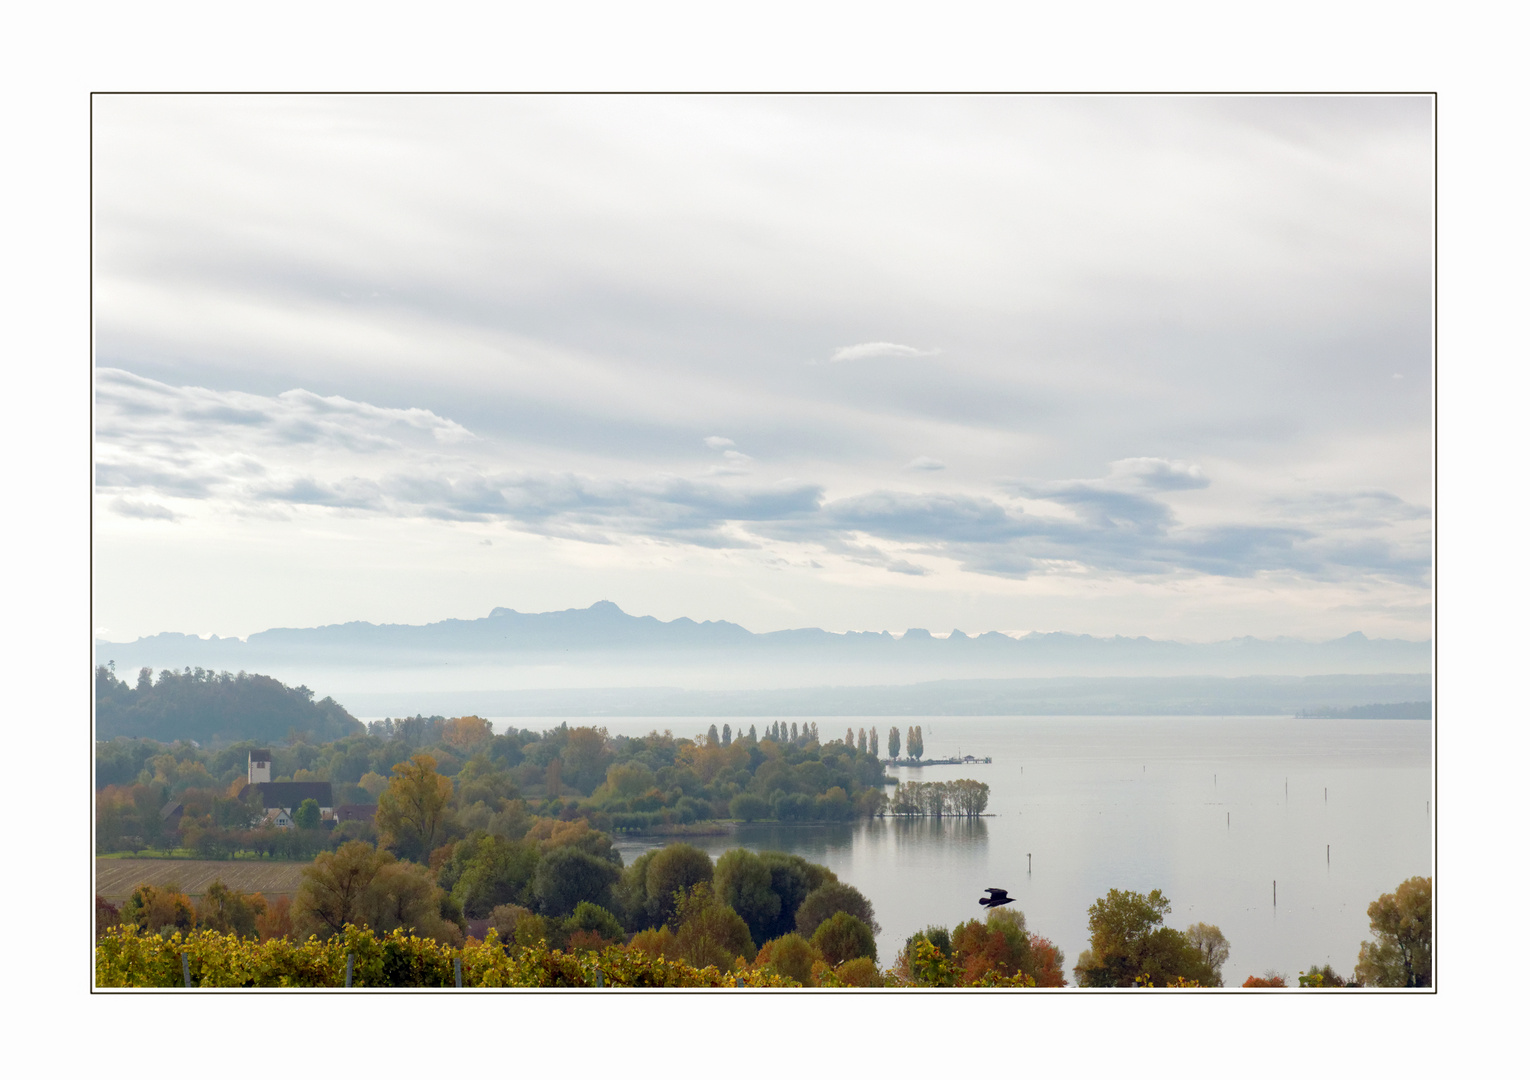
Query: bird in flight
column 996, row 897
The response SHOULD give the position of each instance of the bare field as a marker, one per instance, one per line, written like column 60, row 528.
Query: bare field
column 117, row 878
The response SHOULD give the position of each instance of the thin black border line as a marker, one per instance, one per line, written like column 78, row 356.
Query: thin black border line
column 1434, row 95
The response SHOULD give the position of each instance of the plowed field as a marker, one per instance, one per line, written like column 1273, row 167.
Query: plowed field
column 117, row 878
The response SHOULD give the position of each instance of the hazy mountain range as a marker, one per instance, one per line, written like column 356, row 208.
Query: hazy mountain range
column 603, row 661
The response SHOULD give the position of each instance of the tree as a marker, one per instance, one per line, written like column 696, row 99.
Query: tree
column 874, row 749
column 893, row 745
column 707, row 931
column 742, row 881
column 567, row 875
column 712, row 737
column 860, row 743
column 727, row 736
column 790, row 955
column 753, row 738
column 830, row 897
column 159, row 910
column 402, row 896
column 666, row 873
column 1129, row 945
column 414, row 812
column 307, row 814
column 1212, row 946
column 1402, row 924
column 485, row 871
column 748, row 807
column 843, row 937
column 1001, row 946
column 334, row 886
column 849, row 736
column 230, row 911
column 1268, row 980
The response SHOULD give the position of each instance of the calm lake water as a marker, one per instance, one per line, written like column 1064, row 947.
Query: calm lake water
column 1210, row 810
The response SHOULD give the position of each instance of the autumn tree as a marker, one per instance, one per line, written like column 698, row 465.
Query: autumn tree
column 849, row 736
column 1402, row 924
column 230, row 911
column 707, row 931
column 1212, row 946
column 727, row 735
column 860, row 742
column 332, row 892
column 159, row 909
column 414, row 812
column 893, row 745
column 790, row 955
column 467, row 733
column 1128, row 944
column 874, row 749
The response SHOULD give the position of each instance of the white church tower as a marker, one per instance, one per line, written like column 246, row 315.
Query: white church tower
column 260, row 766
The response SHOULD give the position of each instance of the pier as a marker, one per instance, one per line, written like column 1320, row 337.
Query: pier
column 916, row 763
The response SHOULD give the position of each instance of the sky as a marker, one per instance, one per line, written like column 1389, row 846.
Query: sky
column 1138, row 365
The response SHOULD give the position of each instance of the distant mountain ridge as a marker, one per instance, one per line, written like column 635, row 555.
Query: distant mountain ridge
column 603, row 633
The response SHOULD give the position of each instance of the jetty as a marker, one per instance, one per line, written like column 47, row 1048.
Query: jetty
column 918, row 763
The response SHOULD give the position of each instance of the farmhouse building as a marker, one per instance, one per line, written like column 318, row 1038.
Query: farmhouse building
column 281, row 800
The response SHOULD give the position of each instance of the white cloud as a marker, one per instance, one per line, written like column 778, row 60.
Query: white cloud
column 717, row 442
column 925, row 464
column 872, row 349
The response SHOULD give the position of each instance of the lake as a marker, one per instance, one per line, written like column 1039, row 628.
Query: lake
column 1210, row 810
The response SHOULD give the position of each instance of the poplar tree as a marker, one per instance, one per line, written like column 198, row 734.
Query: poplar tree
column 874, row 751
column 893, row 744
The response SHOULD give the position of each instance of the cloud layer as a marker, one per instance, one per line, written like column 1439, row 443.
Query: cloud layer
column 157, row 444
column 861, row 360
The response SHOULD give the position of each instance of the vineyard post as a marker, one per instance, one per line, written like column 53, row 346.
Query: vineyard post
column 186, row 970
column 350, row 966
column 457, row 970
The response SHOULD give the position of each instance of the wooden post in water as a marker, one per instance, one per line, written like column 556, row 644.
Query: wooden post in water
column 1329, row 856
column 1273, row 901
column 1229, row 820
column 1027, row 862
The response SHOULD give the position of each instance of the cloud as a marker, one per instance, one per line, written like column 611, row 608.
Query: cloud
column 146, row 511
column 873, row 349
column 1158, row 474
column 257, row 454
column 925, row 464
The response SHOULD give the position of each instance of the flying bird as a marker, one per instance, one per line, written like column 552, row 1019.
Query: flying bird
column 996, row 897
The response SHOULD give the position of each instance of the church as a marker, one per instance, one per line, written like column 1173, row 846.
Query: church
column 282, row 800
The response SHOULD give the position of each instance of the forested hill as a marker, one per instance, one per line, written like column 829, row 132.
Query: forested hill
column 214, row 708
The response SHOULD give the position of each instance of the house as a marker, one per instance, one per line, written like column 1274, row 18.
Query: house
column 286, row 796
column 355, row 812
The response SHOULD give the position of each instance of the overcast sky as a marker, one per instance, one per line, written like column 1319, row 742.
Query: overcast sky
column 1133, row 365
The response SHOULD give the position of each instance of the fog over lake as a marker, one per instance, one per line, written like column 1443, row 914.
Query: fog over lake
column 1210, row 810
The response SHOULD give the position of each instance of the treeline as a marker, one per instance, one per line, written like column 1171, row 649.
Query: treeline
column 937, row 799
column 614, row 783
column 209, row 707
column 750, row 918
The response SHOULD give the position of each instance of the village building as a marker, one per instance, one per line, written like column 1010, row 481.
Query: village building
column 281, row 800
